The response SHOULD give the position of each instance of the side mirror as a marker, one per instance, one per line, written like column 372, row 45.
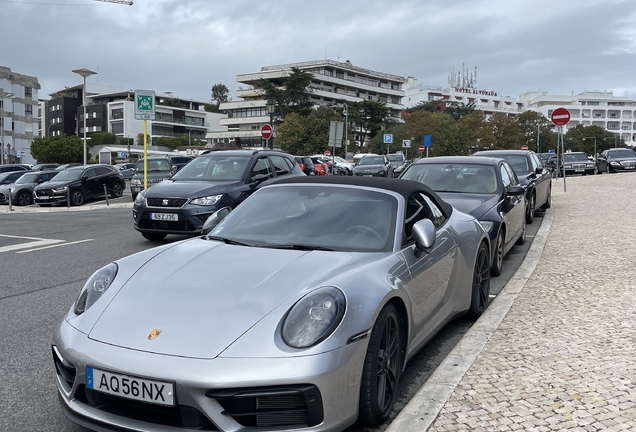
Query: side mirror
column 516, row 191
column 214, row 220
column 174, row 169
column 259, row 178
column 84, row 178
column 539, row 170
column 40, row 181
column 424, row 234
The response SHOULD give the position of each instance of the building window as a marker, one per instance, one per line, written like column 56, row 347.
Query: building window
column 395, row 86
column 118, row 113
column 395, row 100
column 340, row 75
column 117, row 128
column 195, row 121
column 28, row 109
column 164, row 117
column 28, row 92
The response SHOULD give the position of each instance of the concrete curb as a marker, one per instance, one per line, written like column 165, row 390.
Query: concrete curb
column 422, row 410
column 31, row 209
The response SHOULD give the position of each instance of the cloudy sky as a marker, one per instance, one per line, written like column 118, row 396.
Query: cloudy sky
column 186, row 46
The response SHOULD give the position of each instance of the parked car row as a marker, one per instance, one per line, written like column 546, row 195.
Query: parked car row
column 609, row 161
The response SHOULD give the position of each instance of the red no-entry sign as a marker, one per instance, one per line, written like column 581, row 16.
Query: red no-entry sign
column 267, row 131
column 421, row 148
column 560, row 116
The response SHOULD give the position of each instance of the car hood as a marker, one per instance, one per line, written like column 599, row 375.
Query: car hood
column 202, row 298
column 187, row 189
column 475, row 205
column 53, row 184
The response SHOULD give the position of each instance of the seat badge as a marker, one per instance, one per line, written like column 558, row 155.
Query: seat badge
column 154, row 334
column 164, row 202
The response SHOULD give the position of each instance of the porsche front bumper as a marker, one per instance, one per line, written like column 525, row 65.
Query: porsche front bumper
column 203, row 388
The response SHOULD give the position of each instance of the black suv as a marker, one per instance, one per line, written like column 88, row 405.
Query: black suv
column 13, row 167
column 80, row 183
column 213, row 180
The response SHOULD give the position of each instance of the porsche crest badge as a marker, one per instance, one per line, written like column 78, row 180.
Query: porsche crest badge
column 154, row 334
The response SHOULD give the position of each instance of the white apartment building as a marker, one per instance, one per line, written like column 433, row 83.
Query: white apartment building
column 589, row 108
column 18, row 116
column 334, row 84
column 462, row 88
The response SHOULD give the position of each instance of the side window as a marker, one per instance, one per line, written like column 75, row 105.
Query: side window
column 281, row 167
column 290, row 163
column 514, row 180
column 102, row 171
column 261, row 166
column 90, row 173
column 505, row 177
column 418, row 207
column 537, row 160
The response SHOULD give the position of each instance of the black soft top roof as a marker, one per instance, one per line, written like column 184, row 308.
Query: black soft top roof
column 402, row 187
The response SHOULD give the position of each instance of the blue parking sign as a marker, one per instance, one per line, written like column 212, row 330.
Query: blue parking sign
column 388, row 138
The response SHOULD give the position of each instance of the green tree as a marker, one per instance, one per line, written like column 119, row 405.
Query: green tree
column 474, row 129
column 399, row 131
column 291, row 135
column 457, row 110
column 317, row 125
column 220, row 93
column 102, row 138
column 140, row 139
column 581, row 138
column 430, row 106
column 171, row 102
column 505, row 131
column 293, row 97
column 370, row 116
column 424, row 122
column 126, row 141
column 61, row 149
column 532, row 124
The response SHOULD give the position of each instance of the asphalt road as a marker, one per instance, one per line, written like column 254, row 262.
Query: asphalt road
column 45, row 258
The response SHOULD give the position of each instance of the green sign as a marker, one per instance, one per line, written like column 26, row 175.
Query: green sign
column 144, row 105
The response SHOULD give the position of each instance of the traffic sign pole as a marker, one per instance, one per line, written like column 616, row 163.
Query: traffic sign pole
column 145, row 156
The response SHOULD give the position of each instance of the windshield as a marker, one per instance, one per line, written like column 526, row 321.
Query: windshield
column 69, row 174
column 28, row 178
column 624, row 153
column 154, row 166
column 216, row 167
column 455, row 178
column 572, row 157
column 372, row 160
column 338, row 159
column 395, row 157
column 298, row 216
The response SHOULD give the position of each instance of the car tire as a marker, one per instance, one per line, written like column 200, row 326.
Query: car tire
column 382, row 368
column 497, row 262
column 154, row 236
column 609, row 169
column 77, row 197
column 522, row 237
column 24, row 199
column 548, row 200
column 531, row 209
column 480, row 295
column 118, row 190
column 598, row 171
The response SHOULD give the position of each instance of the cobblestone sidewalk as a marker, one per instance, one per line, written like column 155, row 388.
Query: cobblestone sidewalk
column 564, row 358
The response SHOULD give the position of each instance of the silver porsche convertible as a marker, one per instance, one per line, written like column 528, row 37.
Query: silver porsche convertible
column 297, row 310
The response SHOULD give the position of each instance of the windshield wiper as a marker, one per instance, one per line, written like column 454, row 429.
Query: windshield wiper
column 300, row 247
column 229, row 241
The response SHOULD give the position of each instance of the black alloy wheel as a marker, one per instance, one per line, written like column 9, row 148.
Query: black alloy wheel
column 77, row 197
column 118, row 190
column 548, row 201
column 382, row 368
column 24, row 199
column 154, row 236
column 531, row 208
column 497, row 264
column 480, row 295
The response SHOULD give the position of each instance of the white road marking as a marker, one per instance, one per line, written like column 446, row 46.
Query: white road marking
column 22, row 237
column 55, row 245
column 28, row 245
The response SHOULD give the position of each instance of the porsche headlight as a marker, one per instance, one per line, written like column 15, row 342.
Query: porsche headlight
column 314, row 317
column 96, row 285
column 208, row 200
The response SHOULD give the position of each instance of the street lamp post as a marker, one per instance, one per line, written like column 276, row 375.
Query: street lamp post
column 271, row 106
column 594, row 138
column 615, row 140
column 84, row 73
column 189, row 132
column 346, row 113
column 6, row 96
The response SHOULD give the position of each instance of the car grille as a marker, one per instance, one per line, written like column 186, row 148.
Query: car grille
column 44, row 192
column 628, row 163
column 3, row 197
column 180, row 225
column 577, row 166
column 166, row 202
column 65, row 371
column 299, row 406
column 178, row 416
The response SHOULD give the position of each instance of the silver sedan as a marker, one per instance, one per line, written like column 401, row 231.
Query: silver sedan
column 298, row 310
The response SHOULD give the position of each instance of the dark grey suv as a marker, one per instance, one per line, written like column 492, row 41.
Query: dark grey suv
column 213, row 180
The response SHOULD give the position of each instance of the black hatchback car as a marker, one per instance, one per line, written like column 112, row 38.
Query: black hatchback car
column 213, row 180
column 532, row 175
column 80, row 183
